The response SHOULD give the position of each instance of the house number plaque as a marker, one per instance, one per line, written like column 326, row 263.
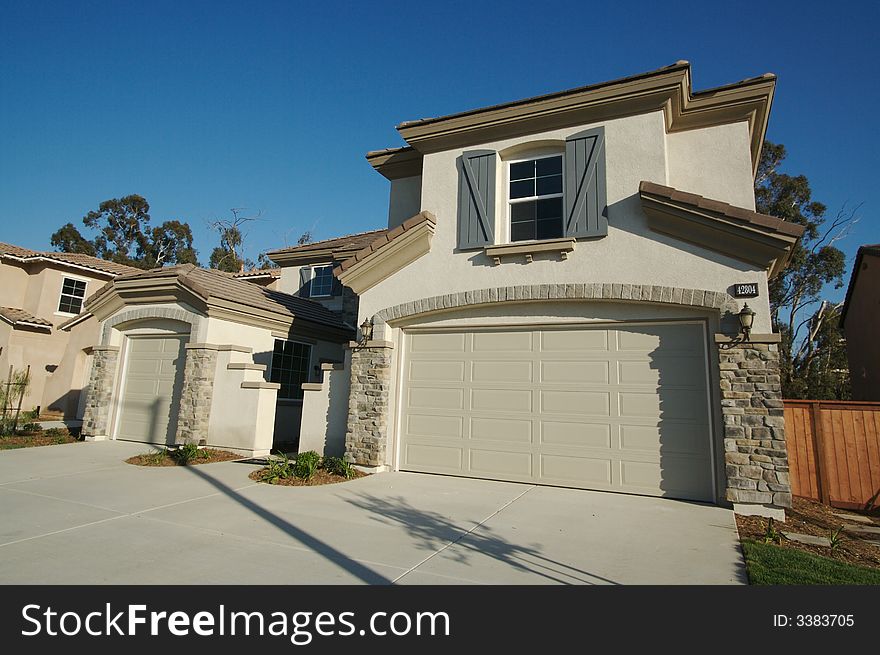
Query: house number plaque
column 749, row 290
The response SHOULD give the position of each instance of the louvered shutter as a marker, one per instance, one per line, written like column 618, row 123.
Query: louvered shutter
column 305, row 281
column 476, row 198
column 585, row 197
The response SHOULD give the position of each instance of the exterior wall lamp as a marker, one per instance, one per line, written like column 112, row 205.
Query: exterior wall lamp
column 367, row 330
column 746, row 319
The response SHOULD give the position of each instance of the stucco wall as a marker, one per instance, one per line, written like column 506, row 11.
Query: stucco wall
column 13, row 285
column 405, row 199
column 630, row 254
column 714, row 162
column 325, row 413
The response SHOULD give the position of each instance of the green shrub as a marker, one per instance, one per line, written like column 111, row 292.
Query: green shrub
column 31, row 427
column 338, row 466
column 155, row 458
column 277, row 468
column 306, row 465
column 186, row 453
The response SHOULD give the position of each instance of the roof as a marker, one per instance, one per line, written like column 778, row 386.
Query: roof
column 18, row 317
column 384, row 238
column 68, row 258
column 666, row 89
column 338, row 248
column 211, row 284
column 259, row 272
column 738, row 214
column 869, row 249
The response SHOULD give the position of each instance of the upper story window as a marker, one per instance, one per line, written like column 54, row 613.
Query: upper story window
column 73, row 292
column 535, row 198
column 322, row 281
column 290, row 367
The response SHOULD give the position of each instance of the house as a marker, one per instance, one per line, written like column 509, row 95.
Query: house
column 39, row 291
column 186, row 354
column 558, row 298
column 860, row 320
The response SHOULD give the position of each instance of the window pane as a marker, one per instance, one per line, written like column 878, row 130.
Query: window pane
column 549, row 166
column 79, row 288
column 322, row 282
column 522, row 211
column 522, row 231
column 550, row 229
column 549, row 208
column 67, row 286
column 522, row 170
column 549, row 185
column 522, row 189
column 290, row 367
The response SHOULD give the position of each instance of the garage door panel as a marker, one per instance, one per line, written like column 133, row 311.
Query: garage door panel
column 503, row 372
column 621, row 409
column 581, row 471
column 499, row 429
column 500, row 463
column 589, row 372
column 562, row 433
column 439, row 342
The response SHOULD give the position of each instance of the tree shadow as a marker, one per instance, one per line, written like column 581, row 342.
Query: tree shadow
column 433, row 531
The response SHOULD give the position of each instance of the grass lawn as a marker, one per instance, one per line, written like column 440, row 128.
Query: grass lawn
column 774, row 565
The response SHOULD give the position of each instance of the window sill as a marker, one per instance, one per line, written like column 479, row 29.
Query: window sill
column 531, row 248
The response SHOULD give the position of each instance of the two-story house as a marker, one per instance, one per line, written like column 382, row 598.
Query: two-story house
column 559, row 298
column 39, row 292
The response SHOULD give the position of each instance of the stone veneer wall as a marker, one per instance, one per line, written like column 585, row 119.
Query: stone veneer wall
column 96, row 416
column 755, row 455
column 366, row 435
column 197, row 393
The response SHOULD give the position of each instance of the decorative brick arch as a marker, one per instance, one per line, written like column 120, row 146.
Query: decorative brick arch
column 683, row 297
column 146, row 313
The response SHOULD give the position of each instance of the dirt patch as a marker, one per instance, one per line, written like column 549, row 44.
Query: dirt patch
column 32, row 439
column 163, row 458
column 810, row 517
column 320, row 477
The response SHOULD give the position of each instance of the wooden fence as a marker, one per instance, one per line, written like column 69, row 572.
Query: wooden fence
column 834, row 451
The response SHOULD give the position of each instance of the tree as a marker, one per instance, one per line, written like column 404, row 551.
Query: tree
column 229, row 255
column 123, row 235
column 814, row 263
column 822, row 368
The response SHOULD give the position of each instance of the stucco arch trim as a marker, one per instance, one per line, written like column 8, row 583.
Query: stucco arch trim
column 140, row 314
column 684, row 297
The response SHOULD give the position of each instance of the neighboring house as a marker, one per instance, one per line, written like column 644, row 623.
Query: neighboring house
column 860, row 321
column 186, row 354
column 38, row 292
column 553, row 301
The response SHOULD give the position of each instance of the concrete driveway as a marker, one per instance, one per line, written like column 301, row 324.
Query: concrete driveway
column 77, row 514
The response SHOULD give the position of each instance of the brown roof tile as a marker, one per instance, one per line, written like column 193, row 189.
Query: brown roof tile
column 75, row 259
column 384, row 239
column 343, row 243
column 15, row 316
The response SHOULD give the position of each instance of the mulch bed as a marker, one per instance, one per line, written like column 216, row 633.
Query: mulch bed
column 320, row 477
column 31, row 439
column 206, row 456
column 810, row 517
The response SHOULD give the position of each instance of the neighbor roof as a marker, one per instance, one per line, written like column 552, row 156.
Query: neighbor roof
column 338, row 248
column 68, row 258
column 213, row 285
column 871, row 250
column 18, row 317
column 382, row 238
column 259, row 272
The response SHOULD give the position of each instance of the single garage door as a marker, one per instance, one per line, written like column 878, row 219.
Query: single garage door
column 610, row 408
column 151, row 389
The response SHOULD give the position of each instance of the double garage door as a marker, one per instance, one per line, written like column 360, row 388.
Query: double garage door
column 621, row 408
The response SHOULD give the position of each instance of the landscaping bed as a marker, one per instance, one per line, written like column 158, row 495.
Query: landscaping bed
column 184, row 456
column 309, row 469
column 32, row 438
column 808, row 517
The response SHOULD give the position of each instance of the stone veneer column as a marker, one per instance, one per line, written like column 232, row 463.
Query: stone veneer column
column 366, row 435
column 197, row 393
column 755, row 455
column 96, row 416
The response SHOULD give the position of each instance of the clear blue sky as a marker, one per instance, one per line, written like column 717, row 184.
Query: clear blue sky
column 270, row 106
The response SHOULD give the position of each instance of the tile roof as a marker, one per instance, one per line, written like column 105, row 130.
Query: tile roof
column 75, row 259
column 209, row 283
column 259, row 272
column 737, row 214
column 385, row 237
column 15, row 316
column 345, row 243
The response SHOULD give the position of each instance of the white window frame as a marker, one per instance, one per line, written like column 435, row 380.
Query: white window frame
column 312, row 277
column 309, row 366
column 61, row 294
column 507, row 232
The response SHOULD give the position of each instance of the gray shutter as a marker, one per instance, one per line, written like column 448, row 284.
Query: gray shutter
column 585, row 198
column 336, row 289
column 305, row 281
column 476, row 198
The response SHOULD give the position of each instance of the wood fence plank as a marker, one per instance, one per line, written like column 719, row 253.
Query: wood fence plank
column 872, row 439
column 830, row 455
column 809, row 437
column 862, row 468
column 842, row 443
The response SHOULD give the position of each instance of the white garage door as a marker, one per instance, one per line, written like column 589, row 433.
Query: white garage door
column 620, row 409
column 151, row 389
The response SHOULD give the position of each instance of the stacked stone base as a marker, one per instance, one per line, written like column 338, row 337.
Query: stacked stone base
column 366, row 435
